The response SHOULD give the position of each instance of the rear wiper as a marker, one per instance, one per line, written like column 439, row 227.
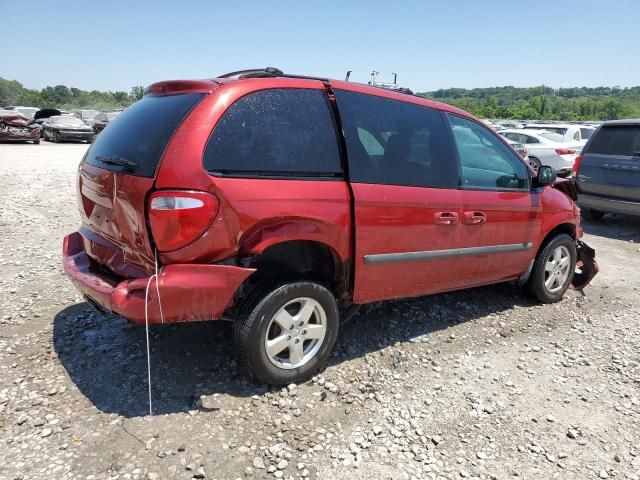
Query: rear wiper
column 123, row 162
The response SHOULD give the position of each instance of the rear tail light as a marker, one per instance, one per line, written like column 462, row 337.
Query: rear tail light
column 576, row 164
column 565, row 151
column 179, row 217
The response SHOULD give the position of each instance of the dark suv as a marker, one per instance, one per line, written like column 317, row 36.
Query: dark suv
column 608, row 170
column 284, row 202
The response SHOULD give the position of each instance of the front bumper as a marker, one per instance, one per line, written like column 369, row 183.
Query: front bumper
column 609, row 204
column 187, row 292
column 75, row 136
column 586, row 266
column 19, row 134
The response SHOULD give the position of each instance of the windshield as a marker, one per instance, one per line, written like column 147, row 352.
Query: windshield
column 88, row 114
column 71, row 121
column 554, row 137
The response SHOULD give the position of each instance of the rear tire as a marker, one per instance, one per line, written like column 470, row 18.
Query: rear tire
column 285, row 331
column 553, row 269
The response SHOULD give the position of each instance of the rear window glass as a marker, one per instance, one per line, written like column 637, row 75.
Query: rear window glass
column 554, row 137
column 136, row 139
column 586, row 133
column 617, row 140
column 276, row 132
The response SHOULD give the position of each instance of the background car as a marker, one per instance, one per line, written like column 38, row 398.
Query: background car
column 608, row 171
column 569, row 133
column 16, row 127
column 102, row 119
column 546, row 148
column 41, row 116
column 87, row 116
column 61, row 128
column 520, row 148
column 26, row 111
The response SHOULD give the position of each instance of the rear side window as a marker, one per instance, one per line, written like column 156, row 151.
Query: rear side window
column 275, row 132
column 396, row 143
column 136, row 139
column 616, row 140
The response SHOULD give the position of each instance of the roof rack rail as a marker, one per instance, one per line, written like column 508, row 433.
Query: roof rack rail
column 264, row 72
column 271, row 72
column 268, row 72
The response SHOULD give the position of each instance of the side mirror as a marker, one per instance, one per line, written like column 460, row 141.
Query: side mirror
column 546, row 176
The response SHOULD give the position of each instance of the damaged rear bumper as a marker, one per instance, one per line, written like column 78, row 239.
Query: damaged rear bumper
column 187, row 292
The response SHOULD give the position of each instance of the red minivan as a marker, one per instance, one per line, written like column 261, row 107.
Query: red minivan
column 284, row 202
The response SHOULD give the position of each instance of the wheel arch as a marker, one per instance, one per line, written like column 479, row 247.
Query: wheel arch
column 301, row 258
column 566, row 227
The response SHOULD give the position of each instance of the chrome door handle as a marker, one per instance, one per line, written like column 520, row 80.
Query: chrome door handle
column 474, row 218
column 447, row 218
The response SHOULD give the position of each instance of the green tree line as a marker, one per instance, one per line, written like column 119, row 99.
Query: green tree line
column 544, row 103
column 13, row 92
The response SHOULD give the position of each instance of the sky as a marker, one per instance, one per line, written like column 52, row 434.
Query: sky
column 114, row 45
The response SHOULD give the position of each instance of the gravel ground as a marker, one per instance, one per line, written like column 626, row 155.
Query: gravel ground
column 481, row 383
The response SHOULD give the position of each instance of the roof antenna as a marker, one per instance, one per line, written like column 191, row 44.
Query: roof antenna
column 346, row 78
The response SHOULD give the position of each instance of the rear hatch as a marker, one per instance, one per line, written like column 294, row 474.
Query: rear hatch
column 116, row 176
column 610, row 165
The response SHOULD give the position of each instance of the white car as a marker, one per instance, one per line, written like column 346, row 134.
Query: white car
column 570, row 133
column 28, row 111
column 546, row 148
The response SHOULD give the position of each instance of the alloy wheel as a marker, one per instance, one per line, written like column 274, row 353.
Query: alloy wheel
column 556, row 269
column 295, row 333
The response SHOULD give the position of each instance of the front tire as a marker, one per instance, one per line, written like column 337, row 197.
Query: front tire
column 553, row 269
column 285, row 332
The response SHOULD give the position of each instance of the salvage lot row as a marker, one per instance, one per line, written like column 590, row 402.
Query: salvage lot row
column 477, row 382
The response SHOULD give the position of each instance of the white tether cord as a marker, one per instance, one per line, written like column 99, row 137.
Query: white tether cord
column 146, row 324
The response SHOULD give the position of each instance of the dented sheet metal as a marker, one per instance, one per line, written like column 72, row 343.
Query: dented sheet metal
column 567, row 187
column 15, row 127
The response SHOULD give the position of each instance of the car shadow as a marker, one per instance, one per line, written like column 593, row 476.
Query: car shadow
column 614, row 226
column 106, row 357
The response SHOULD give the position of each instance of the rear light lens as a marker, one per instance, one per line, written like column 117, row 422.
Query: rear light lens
column 565, row 151
column 576, row 164
column 179, row 217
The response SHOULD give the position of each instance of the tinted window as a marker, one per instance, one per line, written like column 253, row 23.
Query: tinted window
column 554, row 137
column 396, row 143
column 616, row 140
column 586, row 133
column 486, row 162
column 140, row 134
column 529, row 140
column 276, row 131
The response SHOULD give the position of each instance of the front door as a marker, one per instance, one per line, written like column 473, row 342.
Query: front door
column 501, row 216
